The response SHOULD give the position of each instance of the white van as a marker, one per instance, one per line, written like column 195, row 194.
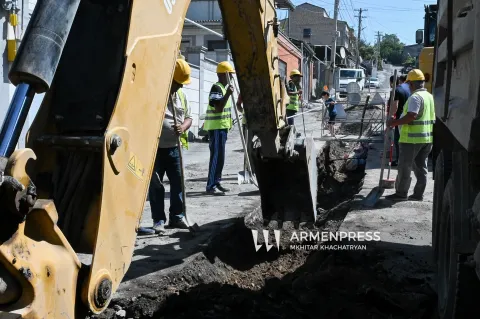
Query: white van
column 347, row 76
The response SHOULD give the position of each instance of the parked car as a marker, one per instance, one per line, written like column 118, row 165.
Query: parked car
column 373, row 83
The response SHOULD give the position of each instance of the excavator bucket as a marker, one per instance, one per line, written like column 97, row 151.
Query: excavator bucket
column 288, row 186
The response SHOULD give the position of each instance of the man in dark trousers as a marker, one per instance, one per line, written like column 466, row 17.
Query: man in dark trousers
column 294, row 91
column 167, row 160
column 399, row 100
column 217, row 122
column 332, row 113
column 416, row 139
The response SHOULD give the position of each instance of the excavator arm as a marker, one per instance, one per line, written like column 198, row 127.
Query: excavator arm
column 67, row 237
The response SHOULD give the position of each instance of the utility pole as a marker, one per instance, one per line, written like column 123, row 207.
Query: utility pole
column 377, row 55
column 334, row 51
column 360, row 11
column 379, row 39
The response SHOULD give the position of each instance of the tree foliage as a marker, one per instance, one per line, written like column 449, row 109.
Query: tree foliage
column 366, row 50
column 410, row 61
column 391, row 49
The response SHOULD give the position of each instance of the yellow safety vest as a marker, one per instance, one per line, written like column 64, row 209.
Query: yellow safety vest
column 420, row 130
column 293, row 104
column 184, row 135
column 220, row 120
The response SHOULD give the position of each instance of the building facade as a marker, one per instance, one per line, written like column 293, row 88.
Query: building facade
column 412, row 50
column 208, row 14
column 312, row 24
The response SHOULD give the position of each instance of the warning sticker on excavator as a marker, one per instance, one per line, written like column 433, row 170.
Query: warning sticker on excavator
column 135, row 166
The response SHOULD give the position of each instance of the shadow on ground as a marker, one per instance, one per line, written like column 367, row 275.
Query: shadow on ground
column 385, row 280
column 160, row 256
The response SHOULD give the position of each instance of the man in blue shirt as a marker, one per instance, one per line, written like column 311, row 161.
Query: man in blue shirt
column 399, row 100
column 403, row 84
column 332, row 113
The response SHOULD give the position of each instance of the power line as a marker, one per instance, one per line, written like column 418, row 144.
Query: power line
column 352, row 20
column 390, row 30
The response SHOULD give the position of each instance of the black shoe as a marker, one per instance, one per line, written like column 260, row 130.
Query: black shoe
column 394, row 163
column 215, row 191
column 143, row 231
column 414, row 197
column 178, row 223
column 221, row 188
column 396, row 197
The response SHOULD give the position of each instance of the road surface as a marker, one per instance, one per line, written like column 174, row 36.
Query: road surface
column 162, row 265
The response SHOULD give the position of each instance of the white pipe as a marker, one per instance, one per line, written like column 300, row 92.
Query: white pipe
column 204, row 28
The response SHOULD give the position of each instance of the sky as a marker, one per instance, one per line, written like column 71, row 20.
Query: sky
column 402, row 18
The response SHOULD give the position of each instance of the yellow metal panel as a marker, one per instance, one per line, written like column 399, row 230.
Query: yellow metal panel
column 154, row 37
column 249, row 26
column 426, row 65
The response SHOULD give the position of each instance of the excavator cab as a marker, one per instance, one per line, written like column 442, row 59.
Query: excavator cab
column 72, row 200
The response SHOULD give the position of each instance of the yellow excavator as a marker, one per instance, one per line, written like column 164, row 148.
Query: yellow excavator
column 72, row 200
column 427, row 37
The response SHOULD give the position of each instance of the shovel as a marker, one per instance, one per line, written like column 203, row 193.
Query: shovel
column 389, row 183
column 192, row 228
column 245, row 176
column 377, row 192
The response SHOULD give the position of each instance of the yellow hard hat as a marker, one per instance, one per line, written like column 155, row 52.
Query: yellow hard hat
column 295, row 72
column 415, row 75
column 182, row 72
column 225, row 67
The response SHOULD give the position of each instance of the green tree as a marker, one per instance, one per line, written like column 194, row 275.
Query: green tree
column 391, row 49
column 409, row 61
column 366, row 50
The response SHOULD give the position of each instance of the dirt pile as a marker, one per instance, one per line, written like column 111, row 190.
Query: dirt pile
column 231, row 279
column 337, row 284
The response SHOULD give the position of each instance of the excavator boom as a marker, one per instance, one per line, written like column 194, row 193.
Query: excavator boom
column 106, row 68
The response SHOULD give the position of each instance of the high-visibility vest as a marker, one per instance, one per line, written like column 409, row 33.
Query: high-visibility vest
column 293, row 104
column 420, row 130
column 183, row 101
column 220, row 120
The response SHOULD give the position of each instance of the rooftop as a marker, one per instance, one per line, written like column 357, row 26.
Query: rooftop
column 285, row 4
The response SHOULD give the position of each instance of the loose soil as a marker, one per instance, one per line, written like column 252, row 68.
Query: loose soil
column 230, row 279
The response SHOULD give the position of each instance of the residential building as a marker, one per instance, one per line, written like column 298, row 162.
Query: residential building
column 289, row 56
column 312, row 24
column 412, row 50
column 208, row 14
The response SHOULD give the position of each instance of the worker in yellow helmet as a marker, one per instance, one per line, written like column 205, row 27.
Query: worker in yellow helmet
column 168, row 158
column 218, row 121
column 294, row 91
column 416, row 138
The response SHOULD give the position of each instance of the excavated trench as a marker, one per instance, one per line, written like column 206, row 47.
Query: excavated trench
column 230, row 279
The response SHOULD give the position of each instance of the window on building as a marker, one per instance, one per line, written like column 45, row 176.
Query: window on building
column 307, row 33
column 282, row 66
column 216, row 45
column 184, row 45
